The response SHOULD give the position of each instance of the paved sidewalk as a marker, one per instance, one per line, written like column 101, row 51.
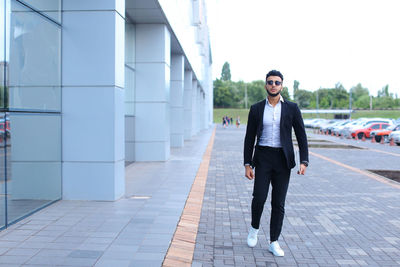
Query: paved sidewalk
column 133, row 231
column 334, row 215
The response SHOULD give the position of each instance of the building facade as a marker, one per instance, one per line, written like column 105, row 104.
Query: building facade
column 90, row 86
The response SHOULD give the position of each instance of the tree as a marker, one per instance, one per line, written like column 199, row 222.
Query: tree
column 226, row 72
column 362, row 102
column 384, row 91
column 256, row 91
column 222, row 94
column 303, row 98
column 227, row 94
column 295, row 87
column 285, row 93
column 339, row 97
column 358, row 91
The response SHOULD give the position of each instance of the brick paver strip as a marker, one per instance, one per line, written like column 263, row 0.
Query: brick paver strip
column 180, row 252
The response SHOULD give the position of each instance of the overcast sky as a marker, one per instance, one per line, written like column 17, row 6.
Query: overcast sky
column 317, row 42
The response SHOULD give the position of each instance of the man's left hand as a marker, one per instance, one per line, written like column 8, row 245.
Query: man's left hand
column 302, row 170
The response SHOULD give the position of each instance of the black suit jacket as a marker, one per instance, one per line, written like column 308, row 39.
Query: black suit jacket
column 290, row 117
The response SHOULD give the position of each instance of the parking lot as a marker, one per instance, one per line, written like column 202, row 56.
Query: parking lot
column 380, row 130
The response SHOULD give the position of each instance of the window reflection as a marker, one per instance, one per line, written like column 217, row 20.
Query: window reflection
column 34, row 61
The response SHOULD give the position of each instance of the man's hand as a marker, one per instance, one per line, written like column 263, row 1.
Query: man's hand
column 249, row 172
column 302, row 170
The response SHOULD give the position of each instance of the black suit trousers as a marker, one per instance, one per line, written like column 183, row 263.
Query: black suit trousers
column 270, row 168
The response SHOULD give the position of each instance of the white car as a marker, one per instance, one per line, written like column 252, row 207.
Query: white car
column 339, row 127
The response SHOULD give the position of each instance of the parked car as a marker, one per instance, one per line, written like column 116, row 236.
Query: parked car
column 362, row 124
column 324, row 127
column 395, row 135
column 360, row 133
column 340, row 125
column 330, row 128
column 317, row 123
column 379, row 134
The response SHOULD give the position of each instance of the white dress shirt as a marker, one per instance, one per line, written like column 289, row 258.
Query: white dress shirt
column 270, row 135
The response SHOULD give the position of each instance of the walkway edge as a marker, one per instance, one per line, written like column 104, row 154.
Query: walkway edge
column 366, row 173
column 181, row 249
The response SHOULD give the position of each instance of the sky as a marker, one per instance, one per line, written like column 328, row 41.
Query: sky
column 316, row 42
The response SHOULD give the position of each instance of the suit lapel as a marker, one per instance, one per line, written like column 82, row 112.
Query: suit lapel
column 261, row 117
column 283, row 114
column 261, row 111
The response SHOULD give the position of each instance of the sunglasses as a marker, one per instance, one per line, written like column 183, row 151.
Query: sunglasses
column 277, row 83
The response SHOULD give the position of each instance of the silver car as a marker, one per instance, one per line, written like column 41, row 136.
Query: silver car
column 396, row 137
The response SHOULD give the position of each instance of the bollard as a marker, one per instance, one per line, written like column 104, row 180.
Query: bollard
column 337, row 134
column 355, row 137
column 391, row 142
column 382, row 140
column 363, row 138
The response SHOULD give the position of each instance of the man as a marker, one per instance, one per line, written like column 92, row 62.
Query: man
column 271, row 121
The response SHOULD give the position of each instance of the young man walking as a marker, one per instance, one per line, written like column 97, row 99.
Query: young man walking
column 271, row 121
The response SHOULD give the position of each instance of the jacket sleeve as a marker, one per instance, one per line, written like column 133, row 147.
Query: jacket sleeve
column 251, row 132
column 300, row 133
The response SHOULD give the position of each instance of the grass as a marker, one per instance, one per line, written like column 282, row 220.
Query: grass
column 230, row 112
column 243, row 113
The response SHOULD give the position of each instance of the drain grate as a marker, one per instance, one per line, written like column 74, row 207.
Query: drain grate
column 391, row 174
column 140, row 197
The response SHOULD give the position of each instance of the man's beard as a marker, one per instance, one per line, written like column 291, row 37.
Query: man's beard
column 273, row 95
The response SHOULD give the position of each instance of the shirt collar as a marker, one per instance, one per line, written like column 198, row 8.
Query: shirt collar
column 280, row 99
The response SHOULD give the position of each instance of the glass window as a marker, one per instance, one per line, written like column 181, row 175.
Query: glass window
column 3, row 178
column 34, row 162
column 384, row 126
column 30, row 143
column 3, row 62
column 3, row 66
column 34, row 61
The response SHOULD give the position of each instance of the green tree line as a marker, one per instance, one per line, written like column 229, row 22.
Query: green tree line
column 230, row 94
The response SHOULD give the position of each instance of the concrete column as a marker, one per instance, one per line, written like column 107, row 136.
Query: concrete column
column 187, row 104
column 194, row 107
column 199, row 107
column 153, row 58
column 93, row 100
column 202, row 115
column 176, row 100
column 206, row 111
column 129, row 92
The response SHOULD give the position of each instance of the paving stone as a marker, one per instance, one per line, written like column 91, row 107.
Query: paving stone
column 333, row 215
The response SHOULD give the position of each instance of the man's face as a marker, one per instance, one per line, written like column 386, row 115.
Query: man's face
column 274, row 85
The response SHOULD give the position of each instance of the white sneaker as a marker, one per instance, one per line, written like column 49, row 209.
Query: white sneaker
column 276, row 249
column 252, row 237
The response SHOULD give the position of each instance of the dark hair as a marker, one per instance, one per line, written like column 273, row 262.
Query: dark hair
column 274, row 73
